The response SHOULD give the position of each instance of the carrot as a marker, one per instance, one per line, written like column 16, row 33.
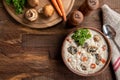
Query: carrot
column 62, row 9
column 79, row 53
column 103, row 61
column 57, row 7
column 104, row 47
column 93, row 66
column 84, row 59
column 69, row 60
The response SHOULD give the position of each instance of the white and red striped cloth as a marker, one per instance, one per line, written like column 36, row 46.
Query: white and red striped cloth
column 113, row 18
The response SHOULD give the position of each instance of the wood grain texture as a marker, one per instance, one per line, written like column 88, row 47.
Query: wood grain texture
column 35, row 54
column 41, row 22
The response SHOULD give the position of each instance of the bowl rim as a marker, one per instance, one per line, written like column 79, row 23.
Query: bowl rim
column 109, row 52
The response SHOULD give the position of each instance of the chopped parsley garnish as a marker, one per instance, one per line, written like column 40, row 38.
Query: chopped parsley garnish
column 81, row 35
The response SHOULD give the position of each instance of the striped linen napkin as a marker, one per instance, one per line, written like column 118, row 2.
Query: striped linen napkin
column 113, row 18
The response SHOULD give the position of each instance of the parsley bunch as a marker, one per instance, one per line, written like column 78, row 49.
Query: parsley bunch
column 81, row 35
column 18, row 4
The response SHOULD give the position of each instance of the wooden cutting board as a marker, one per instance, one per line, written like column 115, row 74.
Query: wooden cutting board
column 41, row 22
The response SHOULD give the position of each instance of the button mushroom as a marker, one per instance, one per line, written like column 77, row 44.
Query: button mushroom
column 92, row 49
column 98, row 59
column 85, row 45
column 96, row 38
column 31, row 15
column 72, row 50
column 83, row 67
column 33, row 3
column 48, row 10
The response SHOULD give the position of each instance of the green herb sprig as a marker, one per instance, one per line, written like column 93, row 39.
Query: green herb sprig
column 18, row 4
column 81, row 35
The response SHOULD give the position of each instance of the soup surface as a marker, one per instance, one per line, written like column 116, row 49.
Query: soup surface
column 89, row 57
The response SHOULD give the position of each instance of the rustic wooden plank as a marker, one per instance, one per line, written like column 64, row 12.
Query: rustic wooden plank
column 0, row 4
column 51, row 43
column 32, row 40
column 9, row 50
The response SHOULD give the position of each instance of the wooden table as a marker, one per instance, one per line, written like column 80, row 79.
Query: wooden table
column 35, row 54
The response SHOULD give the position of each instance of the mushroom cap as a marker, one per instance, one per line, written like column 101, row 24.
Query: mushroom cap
column 31, row 14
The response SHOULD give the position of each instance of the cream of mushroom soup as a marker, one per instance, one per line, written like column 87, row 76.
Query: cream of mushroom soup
column 89, row 57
